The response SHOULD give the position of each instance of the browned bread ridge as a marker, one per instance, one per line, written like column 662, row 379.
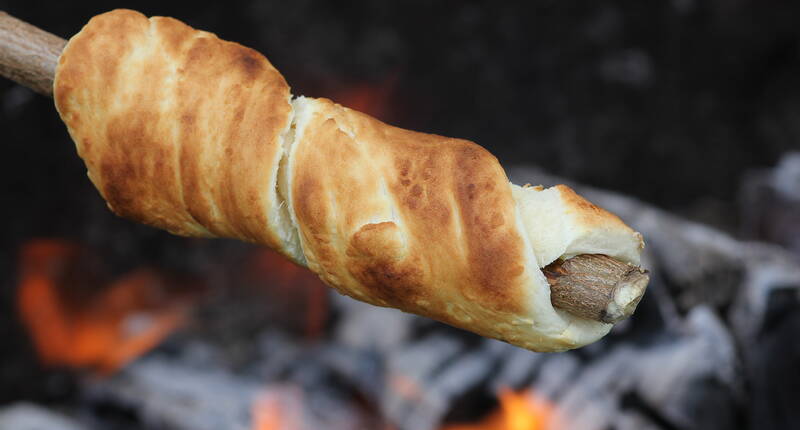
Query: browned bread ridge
column 179, row 129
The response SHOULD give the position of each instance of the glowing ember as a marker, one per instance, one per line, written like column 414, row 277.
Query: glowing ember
column 279, row 408
column 103, row 331
column 518, row 411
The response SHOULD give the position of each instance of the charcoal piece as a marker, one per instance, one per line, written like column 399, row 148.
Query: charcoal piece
column 636, row 421
column 673, row 379
column 775, row 365
column 771, row 270
column 516, row 367
column 555, row 374
column 410, row 369
column 468, row 370
column 369, row 327
column 769, row 202
column 168, row 394
column 28, row 416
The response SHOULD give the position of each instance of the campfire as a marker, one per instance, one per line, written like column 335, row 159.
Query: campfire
column 77, row 323
column 264, row 345
column 518, row 411
column 114, row 325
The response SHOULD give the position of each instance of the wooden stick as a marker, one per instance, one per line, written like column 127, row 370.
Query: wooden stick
column 595, row 287
column 28, row 54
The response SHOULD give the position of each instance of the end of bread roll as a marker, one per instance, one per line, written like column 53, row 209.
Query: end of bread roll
column 389, row 217
column 562, row 224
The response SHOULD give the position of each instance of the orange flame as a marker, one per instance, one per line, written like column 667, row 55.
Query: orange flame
column 279, row 408
column 518, row 411
column 103, row 332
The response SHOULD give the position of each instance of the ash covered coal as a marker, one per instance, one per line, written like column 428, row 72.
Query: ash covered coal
column 687, row 359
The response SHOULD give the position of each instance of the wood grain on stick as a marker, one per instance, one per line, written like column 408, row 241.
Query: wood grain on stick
column 596, row 287
column 28, row 55
column 591, row 286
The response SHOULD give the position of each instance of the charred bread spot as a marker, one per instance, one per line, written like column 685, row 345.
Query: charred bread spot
column 403, row 166
column 188, row 120
column 417, row 188
column 495, row 248
column 113, row 189
column 249, row 62
column 377, row 259
column 391, row 283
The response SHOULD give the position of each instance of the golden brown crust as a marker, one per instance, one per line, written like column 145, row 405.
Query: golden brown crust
column 420, row 222
column 589, row 213
column 179, row 129
column 185, row 132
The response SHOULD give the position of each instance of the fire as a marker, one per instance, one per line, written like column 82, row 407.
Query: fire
column 278, row 408
column 102, row 331
column 523, row 410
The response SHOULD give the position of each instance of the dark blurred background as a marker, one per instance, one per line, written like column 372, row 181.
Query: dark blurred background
column 671, row 102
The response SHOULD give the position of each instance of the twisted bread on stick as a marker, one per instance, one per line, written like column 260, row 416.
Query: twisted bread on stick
column 199, row 136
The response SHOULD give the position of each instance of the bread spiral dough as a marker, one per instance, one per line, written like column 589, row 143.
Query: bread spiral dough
column 202, row 137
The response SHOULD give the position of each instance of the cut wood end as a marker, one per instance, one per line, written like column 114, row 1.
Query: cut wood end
column 627, row 294
column 596, row 287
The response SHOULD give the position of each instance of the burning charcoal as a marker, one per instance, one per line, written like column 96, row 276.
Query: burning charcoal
column 409, row 369
column 555, row 374
column 701, row 368
column 279, row 354
column 773, row 365
column 362, row 368
column 27, row 416
column 80, row 322
column 517, row 366
column 764, row 318
column 770, row 271
column 279, row 408
column 635, row 421
column 439, row 391
column 770, row 203
column 169, row 394
column 516, row 410
column 288, row 407
column 667, row 380
column 370, row 327
column 677, row 364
